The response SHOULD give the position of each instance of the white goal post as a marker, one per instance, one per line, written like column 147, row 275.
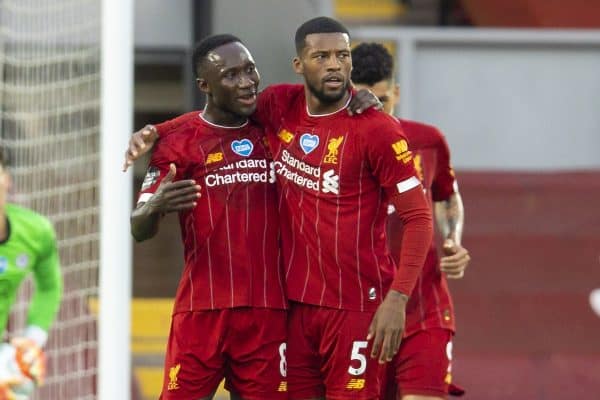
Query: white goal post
column 114, row 356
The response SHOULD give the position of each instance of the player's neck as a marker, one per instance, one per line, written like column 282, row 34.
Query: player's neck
column 220, row 117
column 315, row 106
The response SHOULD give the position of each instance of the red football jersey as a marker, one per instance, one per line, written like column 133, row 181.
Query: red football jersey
column 430, row 305
column 231, row 237
column 336, row 174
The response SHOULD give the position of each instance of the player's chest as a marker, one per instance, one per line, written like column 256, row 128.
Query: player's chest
column 15, row 261
column 325, row 161
column 233, row 160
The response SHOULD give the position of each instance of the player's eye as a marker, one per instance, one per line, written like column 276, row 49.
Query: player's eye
column 250, row 69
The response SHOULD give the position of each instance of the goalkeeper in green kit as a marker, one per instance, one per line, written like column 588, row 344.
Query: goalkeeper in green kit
column 27, row 245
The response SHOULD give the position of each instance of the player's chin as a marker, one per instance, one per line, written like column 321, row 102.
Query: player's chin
column 334, row 95
column 245, row 109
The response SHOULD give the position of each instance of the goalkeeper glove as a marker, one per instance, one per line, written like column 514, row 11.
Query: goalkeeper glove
column 14, row 385
column 30, row 358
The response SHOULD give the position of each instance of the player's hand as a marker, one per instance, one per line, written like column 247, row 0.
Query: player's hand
column 387, row 326
column 6, row 392
column 455, row 261
column 31, row 359
column 18, row 361
column 363, row 100
column 174, row 196
column 140, row 143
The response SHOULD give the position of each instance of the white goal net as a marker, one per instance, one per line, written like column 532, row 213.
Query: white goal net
column 50, row 115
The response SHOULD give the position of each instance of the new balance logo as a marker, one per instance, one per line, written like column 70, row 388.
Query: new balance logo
column 285, row 135
column 214, row 157
column 331, row 182
column 356, row 384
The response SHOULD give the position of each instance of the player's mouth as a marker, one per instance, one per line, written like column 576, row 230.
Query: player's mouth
column 333, row 81
column 247, row 99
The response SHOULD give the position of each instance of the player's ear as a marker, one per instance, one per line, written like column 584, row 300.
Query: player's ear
column 202, row 85
column 297, row 65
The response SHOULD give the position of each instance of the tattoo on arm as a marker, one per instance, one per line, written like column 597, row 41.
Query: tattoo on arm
column 450, row 217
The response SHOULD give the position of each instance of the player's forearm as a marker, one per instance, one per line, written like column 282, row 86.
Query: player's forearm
column 450, row 217
column 413, row 210
column 44, row 306
column 48, row 291
column 144, row 222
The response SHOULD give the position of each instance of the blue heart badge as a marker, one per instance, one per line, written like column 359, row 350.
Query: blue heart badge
column 242, row 147
column 309, row 142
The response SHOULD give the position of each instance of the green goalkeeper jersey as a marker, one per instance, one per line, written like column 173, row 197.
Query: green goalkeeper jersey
column 29, row 247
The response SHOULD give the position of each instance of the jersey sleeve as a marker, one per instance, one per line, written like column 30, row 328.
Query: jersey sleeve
column 167, row 127
column 48, row 281
column 443, row 184
column 165, row 153
column 388, row 154
column 271, row 103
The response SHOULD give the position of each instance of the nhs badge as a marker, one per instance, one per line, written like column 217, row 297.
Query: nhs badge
column 309, row 142
column 22, row 260
column 3, row 264
column 242, row 147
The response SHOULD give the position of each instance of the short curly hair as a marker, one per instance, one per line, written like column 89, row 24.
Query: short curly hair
column 317, row 25
column 207, row 45
column 371, row 63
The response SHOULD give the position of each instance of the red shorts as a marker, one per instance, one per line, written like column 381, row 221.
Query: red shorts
column 422, row 366
column 246, row 346
column 328, row 354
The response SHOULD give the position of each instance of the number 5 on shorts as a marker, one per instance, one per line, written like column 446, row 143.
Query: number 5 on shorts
column 357, row 346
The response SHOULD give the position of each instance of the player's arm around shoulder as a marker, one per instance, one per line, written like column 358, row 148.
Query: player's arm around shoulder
column 142, row 141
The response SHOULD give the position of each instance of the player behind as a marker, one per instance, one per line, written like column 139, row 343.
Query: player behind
column 336, row 177
column 229, row 318
column 422, row 367
column 27, row 245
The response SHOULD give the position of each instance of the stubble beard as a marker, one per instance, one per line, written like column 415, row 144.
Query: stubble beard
column 328, row 98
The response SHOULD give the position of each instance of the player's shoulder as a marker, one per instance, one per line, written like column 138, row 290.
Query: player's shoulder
column 372, row 120
column 283, row 91
column 178, row 124
column 421, row 134
column 254, row 127
column 173, row 131
column 28, row 219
